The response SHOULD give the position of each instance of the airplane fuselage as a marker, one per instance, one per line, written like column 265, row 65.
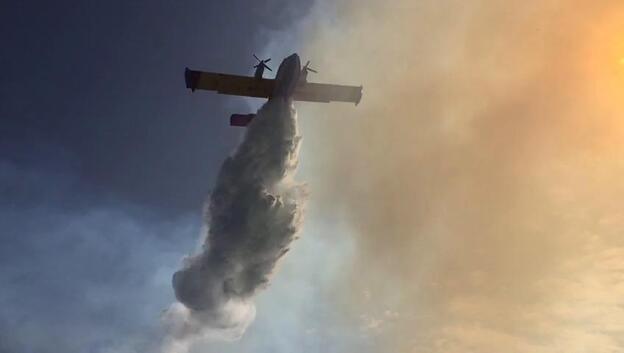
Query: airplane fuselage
column 287, row 77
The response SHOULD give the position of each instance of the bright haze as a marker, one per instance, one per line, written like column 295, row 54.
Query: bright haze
column 470, row 203
column 482, row 172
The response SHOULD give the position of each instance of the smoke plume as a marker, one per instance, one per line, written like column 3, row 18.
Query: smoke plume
column 481, row 174
column 252, row 216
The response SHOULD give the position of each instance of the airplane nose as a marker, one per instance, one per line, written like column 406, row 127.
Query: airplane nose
column 294, row 58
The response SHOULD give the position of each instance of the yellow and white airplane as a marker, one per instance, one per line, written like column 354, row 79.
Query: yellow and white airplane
column 290, row 83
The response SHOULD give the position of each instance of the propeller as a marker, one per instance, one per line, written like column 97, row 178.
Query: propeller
column 306, row 68
column 262, row 62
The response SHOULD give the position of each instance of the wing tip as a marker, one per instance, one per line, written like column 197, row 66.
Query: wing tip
column 190, row 78
column 359, row 96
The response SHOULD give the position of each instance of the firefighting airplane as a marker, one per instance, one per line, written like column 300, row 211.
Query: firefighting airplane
column 290, row 83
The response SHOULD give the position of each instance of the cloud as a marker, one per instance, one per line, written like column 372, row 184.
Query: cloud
column 79, row 276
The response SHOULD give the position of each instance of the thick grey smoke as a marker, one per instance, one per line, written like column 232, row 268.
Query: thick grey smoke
column 252, row 216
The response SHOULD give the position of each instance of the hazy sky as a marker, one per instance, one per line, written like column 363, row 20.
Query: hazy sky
column 470, row 203
column 481, row 173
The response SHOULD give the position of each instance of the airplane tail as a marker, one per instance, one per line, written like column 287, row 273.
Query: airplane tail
column 241, row 120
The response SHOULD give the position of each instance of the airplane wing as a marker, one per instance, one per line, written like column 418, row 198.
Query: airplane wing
column 229, row 84
column 322, row 92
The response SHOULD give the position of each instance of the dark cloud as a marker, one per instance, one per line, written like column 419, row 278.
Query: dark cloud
column 106, row 159
column 104, row 80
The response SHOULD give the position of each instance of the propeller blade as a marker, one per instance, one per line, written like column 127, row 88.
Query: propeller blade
column 308, row 63
column 256, row 57
column 267, row 60
column 309, row 69
column 268, row 68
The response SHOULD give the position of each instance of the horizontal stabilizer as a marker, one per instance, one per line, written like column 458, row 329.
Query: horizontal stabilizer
column 241, row 119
